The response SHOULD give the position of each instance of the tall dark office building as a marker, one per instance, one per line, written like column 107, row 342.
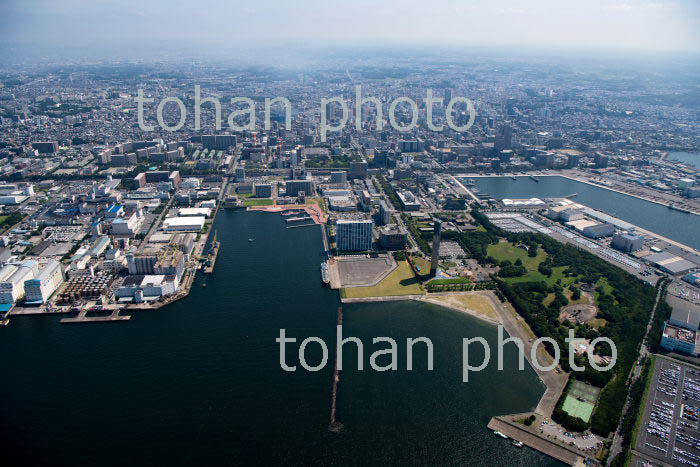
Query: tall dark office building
column 437, row 230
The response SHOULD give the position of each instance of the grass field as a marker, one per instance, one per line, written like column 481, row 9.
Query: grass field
column 401, row 281
column 507, row 251
column 424, row 266
column 258, row 202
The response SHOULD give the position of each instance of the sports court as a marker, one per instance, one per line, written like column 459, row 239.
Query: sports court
column 580, row 401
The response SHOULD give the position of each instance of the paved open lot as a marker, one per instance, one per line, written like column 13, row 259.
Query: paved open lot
column 669, row 430
column 362, row 270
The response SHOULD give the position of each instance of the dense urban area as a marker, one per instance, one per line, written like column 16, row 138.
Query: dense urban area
column 103, row 216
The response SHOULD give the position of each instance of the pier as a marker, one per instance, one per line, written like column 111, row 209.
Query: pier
column 83, row 318
column 296, row 219
column 211, row 257
column 335, row 426
column 572, row 195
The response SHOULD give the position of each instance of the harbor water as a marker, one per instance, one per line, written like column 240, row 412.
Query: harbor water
column 199, row 382
column 679, row 226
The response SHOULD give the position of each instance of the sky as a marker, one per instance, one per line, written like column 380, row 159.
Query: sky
column 650, row 25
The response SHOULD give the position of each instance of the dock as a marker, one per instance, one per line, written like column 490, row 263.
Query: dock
column 529, row 437
column 295, row 219
column 211, row 257
column 83, row 318
column 335, row 426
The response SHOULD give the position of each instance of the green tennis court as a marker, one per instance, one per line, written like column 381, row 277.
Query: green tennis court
column 581, row 399
column 576, row 408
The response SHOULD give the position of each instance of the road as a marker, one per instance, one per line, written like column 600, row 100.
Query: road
column 615, row 448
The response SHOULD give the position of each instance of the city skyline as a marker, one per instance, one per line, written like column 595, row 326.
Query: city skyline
column 236, row 29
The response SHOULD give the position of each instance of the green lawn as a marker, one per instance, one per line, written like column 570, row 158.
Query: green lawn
column 258, row 202
column 3, row 219
column 401, row 281
column 507, row 251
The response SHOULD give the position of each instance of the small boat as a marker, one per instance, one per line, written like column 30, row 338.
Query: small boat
column 204, row 284
column 251, row 239
column 324, row 274
column 498, row 433
column 517, row 444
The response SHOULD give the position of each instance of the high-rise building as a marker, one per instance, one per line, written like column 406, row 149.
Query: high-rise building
column 353, row 235
column 339, row 176
column 293, row 187
column 240, row 174
column 437, row 230
column 358, row 169
column 504, row 137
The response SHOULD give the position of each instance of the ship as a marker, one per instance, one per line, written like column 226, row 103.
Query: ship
column 498, row 433
column 679, row 209
column 517, row 444
column 324, row 274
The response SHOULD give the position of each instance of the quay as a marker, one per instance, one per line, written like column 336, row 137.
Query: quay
column 211, row 257
column 529, row 437
column 83, row 318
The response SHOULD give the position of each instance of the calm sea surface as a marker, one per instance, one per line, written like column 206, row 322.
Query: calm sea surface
column 199, row 382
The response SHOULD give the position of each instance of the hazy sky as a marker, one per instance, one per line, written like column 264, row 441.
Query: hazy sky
column 661, row 25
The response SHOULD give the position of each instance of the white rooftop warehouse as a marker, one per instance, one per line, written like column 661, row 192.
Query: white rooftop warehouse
column 184, row 224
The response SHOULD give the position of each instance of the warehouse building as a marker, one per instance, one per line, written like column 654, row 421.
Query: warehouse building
column 49, row 279
column 599, row 230
column 189, row 212
column 13, row 278
column 627, row 242
column 184, row 224
column 670, row 263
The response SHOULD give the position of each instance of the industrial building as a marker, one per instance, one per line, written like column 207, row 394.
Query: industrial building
column 599, row 230
column 190, row 212
column 353, row 235
column 627, row 242
column 670, row 263
column 13, row 278
column 184, row 224
column 38, row 290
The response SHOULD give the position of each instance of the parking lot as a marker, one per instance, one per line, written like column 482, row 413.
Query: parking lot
column 669, row 430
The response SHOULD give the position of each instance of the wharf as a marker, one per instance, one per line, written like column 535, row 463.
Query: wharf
column 529, row 437
column 83, row 318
